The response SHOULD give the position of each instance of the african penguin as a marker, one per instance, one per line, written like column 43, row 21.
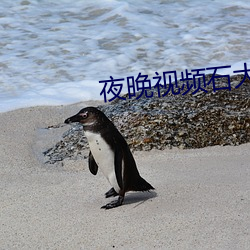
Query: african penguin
column 110, row 152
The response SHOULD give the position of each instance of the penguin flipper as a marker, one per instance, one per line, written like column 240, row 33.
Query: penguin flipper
column 118, row 166
column 93, row 167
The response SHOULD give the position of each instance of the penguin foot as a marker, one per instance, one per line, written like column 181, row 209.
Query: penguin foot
column 111, row 193
column 113, row 204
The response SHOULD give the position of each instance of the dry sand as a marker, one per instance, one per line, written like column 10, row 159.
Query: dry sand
column 201, row 201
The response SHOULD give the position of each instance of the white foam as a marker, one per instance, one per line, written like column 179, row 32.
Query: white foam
column 56, row 52
column 56, row 94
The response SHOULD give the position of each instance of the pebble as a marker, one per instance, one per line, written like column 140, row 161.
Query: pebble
column 183, row 121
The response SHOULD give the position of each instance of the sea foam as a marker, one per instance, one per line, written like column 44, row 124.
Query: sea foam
column 56, row 53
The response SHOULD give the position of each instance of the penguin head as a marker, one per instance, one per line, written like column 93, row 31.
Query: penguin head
column 88, row 117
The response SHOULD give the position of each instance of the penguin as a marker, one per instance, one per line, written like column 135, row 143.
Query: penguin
column 110, row 152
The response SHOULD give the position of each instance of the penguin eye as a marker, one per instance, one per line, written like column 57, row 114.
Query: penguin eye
column 84, row 115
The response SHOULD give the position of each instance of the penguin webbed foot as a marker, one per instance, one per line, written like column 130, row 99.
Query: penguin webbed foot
column 115, row 203
column 111, row 193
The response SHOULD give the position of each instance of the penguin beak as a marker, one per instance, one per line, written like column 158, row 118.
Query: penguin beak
column 74, row 118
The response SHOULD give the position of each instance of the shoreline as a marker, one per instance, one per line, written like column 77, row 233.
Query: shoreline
column 201, row 197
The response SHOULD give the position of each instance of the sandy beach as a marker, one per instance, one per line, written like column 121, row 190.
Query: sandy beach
column 201, row 198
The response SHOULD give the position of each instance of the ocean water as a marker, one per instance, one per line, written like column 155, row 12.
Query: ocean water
column 56, row 52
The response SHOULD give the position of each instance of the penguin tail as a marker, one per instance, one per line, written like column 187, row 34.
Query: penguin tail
column 141, row 185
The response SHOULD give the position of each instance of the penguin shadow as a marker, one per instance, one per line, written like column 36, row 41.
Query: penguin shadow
column 138, row 198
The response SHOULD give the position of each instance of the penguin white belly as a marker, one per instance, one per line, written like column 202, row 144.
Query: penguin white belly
column 104, row 157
